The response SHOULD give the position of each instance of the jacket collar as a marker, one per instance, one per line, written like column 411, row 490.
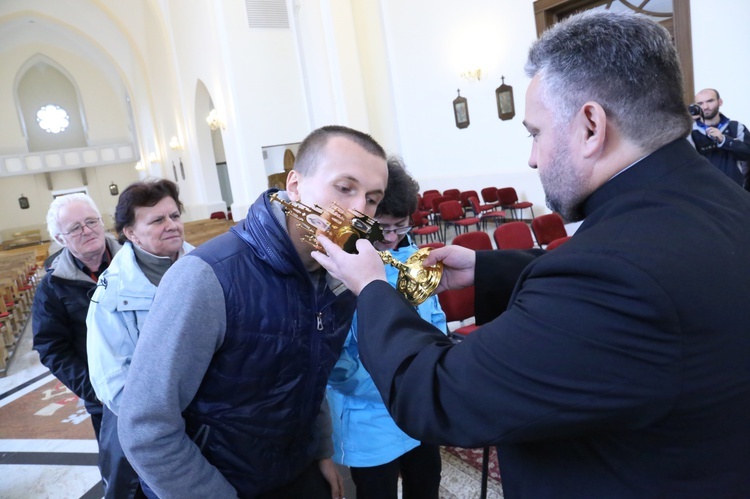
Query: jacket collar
column 640, row 176
column 264, row 231
column 64, row 267
column 130, row 275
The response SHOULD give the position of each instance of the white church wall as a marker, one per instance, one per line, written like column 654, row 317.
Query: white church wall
column 720, row 38
column 428, row 47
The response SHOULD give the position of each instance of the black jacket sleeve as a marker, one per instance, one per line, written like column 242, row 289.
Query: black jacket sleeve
column 60, row 338
column 495, row 275
column 552, row 366
column 739, row 146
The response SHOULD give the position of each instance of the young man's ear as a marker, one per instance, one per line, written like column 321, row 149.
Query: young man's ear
column 292, row 185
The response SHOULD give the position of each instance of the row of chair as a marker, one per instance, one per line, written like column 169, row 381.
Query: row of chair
column 451, row 208
column 458, row 305
column 505, row 198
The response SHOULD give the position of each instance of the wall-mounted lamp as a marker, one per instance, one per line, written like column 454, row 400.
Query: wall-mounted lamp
column 214, row 121
column 23, row 202
column 153, row 157
column 113, row 189
column 139, row 166
column 474, row 74
column 174, row 144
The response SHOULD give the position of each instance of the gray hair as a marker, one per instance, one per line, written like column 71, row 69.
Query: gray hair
column 624, row 62
column 53, row 226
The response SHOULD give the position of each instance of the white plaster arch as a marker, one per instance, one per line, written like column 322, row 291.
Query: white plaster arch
column 206, row 154
column 43, row 59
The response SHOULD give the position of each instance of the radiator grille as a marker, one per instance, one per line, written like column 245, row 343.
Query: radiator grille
column 267, row 14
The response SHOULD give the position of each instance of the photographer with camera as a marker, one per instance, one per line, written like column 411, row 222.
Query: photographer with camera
column 722, row 141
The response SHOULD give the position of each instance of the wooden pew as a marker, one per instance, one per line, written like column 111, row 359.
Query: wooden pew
column 18, row 280
column 198, row 232
column 41, row 251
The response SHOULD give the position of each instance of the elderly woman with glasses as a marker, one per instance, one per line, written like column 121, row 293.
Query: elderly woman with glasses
column 148, row 222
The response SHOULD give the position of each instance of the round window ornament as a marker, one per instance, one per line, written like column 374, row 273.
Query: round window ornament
column 52, row 118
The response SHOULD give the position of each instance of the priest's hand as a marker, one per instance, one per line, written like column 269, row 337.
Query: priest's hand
column 355, row 271
column 458, row 266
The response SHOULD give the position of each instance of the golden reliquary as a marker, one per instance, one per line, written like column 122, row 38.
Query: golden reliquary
column 344, row 228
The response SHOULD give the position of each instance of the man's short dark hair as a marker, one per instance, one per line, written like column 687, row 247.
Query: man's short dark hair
column 400, row 199
column 308, row 154
column 624, row 62
column 715, row 91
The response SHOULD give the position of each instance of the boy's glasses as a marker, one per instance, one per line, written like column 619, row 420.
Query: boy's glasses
column 398, row 230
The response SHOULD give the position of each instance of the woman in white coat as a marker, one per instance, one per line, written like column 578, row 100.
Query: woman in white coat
column 148, row 222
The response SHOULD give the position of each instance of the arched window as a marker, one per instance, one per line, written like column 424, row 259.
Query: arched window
column 50, row 108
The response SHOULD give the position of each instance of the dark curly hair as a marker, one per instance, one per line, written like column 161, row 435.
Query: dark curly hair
column 140, row 194
column 400, row 199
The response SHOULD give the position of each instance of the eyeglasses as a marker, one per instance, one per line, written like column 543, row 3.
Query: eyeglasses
column 398, row 230
column 77, row 229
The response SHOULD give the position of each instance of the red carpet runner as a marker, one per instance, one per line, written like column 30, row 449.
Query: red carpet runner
column 473, row 457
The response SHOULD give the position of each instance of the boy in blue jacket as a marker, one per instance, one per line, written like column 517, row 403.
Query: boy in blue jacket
column 365, row 437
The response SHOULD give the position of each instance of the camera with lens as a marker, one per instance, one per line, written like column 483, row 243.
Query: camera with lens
column 695, row 110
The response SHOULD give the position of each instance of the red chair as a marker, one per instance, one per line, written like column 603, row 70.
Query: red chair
column 458, row 305
column 453, row 194
column 218, row 215
column 427, row 198
column 477, row 240
column 513, row 235
column 436, row 202
column 489, row 195
column 507, row 198
column 486, row 212
column 556, row 243
column 547, row 228
column 464, row 198
column 430, row 192
column 422, row 227
column 452, row 215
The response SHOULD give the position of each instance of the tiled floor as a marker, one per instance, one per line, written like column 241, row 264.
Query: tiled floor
column 33, row 467
column 48, row 449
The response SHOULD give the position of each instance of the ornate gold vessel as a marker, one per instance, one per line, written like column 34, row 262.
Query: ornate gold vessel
column 344, row 228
